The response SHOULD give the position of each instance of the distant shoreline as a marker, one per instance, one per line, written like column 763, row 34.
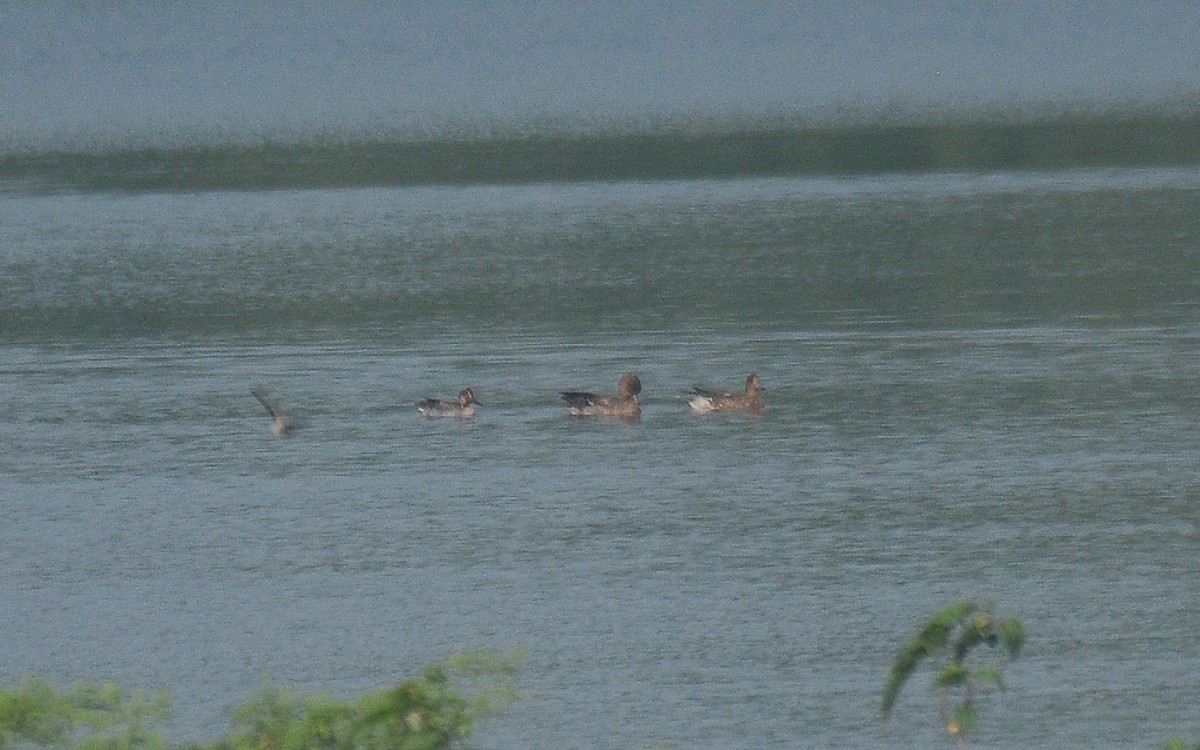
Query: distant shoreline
column 769, row 147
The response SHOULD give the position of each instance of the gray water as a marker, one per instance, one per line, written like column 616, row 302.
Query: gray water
column 977, row 387
column 959, row 243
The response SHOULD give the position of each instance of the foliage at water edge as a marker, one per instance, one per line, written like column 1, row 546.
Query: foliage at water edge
column 441, row 709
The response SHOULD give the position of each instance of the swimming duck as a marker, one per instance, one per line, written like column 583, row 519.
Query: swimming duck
column 280, row 425
column 703, row 400
column 462, row 408
column 625, row 405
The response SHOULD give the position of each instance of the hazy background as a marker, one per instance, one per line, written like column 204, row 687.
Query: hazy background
column 72, row 72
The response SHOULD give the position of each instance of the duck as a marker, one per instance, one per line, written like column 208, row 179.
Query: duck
column 625, row 405
column 703, row 400
column 281, row 425
column 462, row 408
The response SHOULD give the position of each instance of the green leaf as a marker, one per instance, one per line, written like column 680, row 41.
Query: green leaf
column 933, row 637
column 1012, row 636
column 952, row 676
column 989, row 675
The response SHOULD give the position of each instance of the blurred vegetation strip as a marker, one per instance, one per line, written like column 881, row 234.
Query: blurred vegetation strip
column 86, row 717
column 669, row 151
column 441, row 709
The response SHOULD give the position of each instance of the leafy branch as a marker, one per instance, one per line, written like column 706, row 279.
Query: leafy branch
column 955, row 631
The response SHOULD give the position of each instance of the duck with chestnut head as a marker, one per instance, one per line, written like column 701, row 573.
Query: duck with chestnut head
column 461, row 408
column 624, row 405
column 704, row 400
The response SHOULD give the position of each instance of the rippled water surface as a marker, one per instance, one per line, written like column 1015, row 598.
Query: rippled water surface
column 978, row 387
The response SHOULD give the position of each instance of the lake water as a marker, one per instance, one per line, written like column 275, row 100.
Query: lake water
column 960, row 244
column 978, row 386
